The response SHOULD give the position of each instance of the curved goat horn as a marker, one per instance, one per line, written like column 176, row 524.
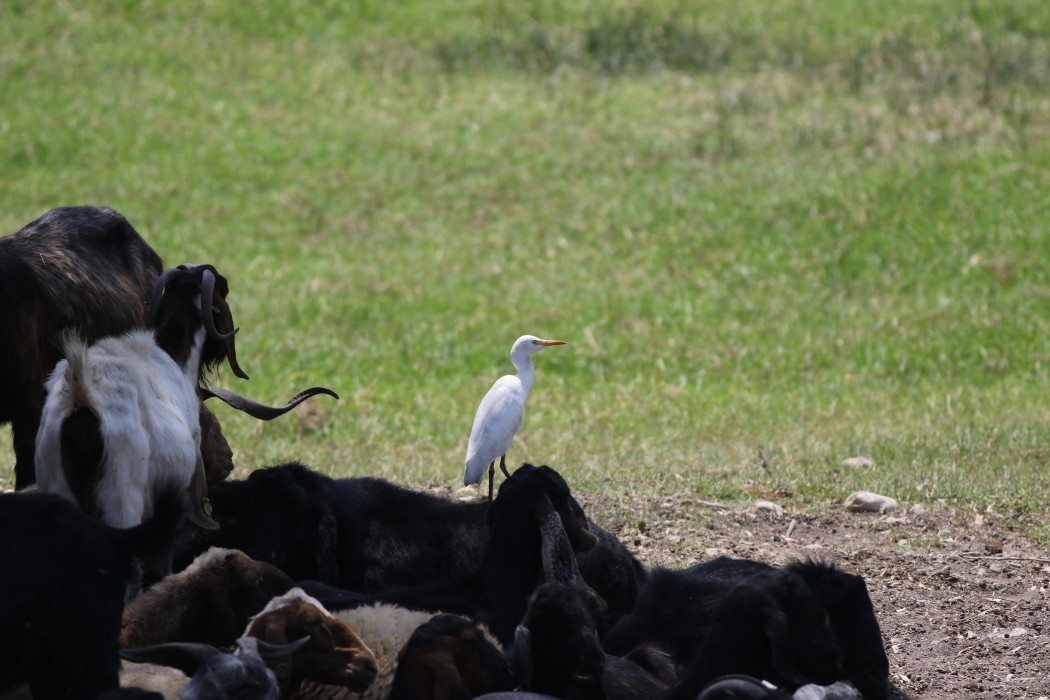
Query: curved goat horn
column 208, row 300
column 185, row 656
column 272, row 651
column 258, row 410
column 207, row 294
column 736, row 686
column 158, row 292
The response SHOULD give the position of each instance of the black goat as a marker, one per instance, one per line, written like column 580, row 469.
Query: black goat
column 771, row 626
column 62, row 591
column 676, row 608
column 557, row 652
column 368, row 535
column 74, row 267
column 359, row 534
column 516, row 558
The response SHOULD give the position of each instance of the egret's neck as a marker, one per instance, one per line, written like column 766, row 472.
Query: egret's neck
column 526, row 371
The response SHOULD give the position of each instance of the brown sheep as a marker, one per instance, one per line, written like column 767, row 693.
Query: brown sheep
column 210, row 601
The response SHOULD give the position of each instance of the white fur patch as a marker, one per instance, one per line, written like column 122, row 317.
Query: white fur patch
column 149, row 417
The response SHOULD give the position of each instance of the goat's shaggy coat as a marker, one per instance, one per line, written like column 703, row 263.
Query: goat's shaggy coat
column 368, row 535
column 74, row 267
column 149, row 421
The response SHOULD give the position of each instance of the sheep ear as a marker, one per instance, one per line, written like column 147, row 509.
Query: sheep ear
column 776, row 629
column 184, row 656
column 522, row 656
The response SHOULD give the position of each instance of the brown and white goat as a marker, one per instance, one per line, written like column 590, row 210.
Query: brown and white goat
column 333, row 656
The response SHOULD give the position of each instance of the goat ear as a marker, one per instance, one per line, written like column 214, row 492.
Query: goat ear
column 522, row 657
column 559, row 561
column 780, row 648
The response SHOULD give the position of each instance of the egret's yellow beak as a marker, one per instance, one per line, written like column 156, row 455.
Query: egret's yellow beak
column 552, row 342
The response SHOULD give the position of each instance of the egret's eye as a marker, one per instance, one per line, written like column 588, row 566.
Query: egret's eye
column 536, row 342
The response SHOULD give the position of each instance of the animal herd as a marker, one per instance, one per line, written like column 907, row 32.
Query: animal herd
column 132, row 567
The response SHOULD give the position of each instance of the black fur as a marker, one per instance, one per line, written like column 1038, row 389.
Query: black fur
column 448, row 657
column 74, row 267
column 368, row 535
column 770, row 626
column 675, row 610
column 566, row 658
column 497, row 592
column 62, row 591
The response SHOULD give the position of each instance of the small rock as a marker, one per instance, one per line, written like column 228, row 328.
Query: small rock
column 769, row 506
column 857, row 463
column 868, row 502
column 1008, row 634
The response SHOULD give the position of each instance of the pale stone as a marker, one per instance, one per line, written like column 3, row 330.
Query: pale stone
column 769, row 506
column 868, row 502
column 858, row 463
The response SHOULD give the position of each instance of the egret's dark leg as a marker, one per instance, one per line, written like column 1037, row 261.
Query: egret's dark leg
column 503, row 465
column 492, row 473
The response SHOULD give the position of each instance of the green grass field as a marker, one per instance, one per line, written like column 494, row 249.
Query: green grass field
column 810, row 228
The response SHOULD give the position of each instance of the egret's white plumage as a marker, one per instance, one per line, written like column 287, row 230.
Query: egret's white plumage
column 500, row 413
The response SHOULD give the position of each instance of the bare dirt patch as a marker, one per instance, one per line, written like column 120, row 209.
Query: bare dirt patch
column 961, row 597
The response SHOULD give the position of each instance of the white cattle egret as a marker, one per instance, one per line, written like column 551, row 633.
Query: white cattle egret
column 500, row 413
